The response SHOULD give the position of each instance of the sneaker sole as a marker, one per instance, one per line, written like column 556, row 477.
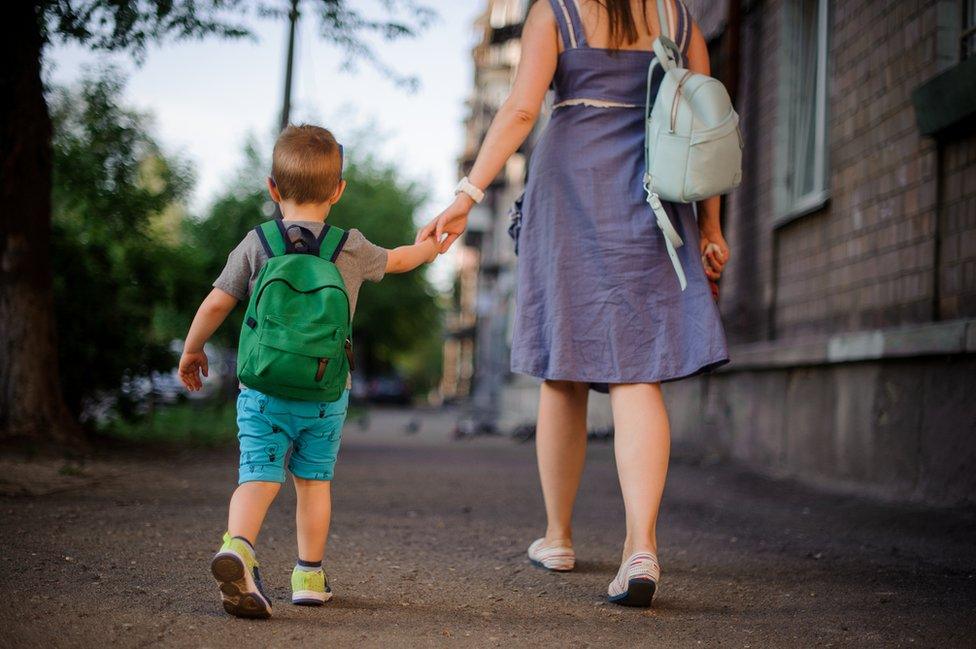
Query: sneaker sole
column 640, row 592
column 310, row 598
column 240, row 593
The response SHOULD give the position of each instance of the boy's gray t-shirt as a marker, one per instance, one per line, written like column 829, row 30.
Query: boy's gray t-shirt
column 359, row 260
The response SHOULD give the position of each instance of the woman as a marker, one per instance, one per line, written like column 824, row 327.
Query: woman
column 598, row 301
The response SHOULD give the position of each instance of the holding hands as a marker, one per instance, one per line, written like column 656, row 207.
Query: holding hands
column 451, row 222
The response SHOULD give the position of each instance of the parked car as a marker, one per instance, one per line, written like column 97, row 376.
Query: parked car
column 389, row 388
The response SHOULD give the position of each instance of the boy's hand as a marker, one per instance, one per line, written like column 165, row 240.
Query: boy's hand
column 191, row 365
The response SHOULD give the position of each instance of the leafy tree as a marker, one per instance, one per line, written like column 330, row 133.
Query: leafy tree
column 32, row 407
column 209, row 240
column 112, row 184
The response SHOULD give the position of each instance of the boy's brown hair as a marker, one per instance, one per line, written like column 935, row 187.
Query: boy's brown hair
column 306, row 165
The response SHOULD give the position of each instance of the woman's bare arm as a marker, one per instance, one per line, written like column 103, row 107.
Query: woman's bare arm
column 514, row 120
column 709, row 222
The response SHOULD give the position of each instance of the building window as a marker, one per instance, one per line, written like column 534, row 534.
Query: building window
column 506, row 12
column 968, row 36
column 802, row 146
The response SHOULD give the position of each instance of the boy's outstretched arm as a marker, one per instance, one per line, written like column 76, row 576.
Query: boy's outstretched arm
column 211, row 313
column 405, row 258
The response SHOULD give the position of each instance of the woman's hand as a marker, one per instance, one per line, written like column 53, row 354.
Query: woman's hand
column 451, row 222
column 715, row 253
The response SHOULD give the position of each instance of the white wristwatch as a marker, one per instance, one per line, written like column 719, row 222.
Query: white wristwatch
column 465, row 186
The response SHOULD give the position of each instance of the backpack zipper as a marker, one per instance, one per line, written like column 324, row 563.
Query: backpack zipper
column 257, row 300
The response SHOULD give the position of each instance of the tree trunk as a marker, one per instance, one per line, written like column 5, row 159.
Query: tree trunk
column 32, row 410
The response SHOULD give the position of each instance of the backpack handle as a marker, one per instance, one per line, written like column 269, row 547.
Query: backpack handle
column 277, row 240
column 663, row 43
column 667, row 53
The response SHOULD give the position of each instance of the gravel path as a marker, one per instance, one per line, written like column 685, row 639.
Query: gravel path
column 428, row 550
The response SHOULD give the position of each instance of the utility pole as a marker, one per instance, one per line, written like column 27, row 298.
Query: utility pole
column 289, row 64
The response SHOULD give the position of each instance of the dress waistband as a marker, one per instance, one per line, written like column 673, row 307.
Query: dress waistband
column 594, row 103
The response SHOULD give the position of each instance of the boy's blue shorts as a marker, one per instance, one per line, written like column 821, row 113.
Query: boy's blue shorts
column 269, row 426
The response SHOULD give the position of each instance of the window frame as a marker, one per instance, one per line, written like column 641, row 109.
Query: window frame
column 790, row 207
column 967, row 30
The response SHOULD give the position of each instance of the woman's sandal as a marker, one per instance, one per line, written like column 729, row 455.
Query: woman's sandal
column 636, row 581
column 556, row 558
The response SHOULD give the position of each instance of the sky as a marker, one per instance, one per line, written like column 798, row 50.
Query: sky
column 207, row 97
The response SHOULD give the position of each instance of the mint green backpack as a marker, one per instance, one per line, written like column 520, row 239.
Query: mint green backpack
column 692, row 144
column 295, row 341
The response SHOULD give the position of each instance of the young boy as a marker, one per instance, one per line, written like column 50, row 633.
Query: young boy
column 305, row 182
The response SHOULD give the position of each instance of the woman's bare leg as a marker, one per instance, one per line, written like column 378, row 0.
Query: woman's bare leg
column 560, row 442
column 642, row 445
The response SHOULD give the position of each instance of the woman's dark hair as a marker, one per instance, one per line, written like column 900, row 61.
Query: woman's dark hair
column 623, row 26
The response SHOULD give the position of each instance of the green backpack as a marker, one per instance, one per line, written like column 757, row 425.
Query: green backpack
column 296, row 337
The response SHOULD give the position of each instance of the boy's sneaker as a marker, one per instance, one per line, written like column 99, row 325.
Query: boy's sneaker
column 309, row 587
column 236, row 570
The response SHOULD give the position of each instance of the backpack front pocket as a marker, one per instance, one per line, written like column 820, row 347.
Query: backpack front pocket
column 299, row 355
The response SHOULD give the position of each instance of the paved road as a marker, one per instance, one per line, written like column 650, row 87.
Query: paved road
column 428, row 550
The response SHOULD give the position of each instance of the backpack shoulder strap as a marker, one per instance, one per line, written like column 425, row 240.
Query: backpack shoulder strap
column 272, row 238
column 682, row 31
column 331, row 241
column 664, row 17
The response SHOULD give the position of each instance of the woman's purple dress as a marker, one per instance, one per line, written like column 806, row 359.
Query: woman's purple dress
column 598, row 300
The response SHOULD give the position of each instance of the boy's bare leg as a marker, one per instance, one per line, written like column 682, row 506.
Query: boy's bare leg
column 313, row 514
column 248, row 506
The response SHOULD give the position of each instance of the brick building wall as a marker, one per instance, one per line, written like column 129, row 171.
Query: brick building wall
column 747, row 287
column 868, row 258
column 853, row 362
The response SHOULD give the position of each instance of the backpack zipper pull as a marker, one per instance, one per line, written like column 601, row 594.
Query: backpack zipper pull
column 323, row 363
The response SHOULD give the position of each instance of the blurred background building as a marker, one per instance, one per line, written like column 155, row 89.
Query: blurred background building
column 850, row 302
column 476, row 354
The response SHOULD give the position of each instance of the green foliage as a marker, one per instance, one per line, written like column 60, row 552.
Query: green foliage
column 112, row 25
column 191, row 423
column 111, row 185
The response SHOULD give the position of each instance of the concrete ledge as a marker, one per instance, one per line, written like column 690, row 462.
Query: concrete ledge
column 936, row 339
column 903, row 428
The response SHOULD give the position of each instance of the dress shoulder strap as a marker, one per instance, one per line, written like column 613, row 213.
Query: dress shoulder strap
column 570, row 23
